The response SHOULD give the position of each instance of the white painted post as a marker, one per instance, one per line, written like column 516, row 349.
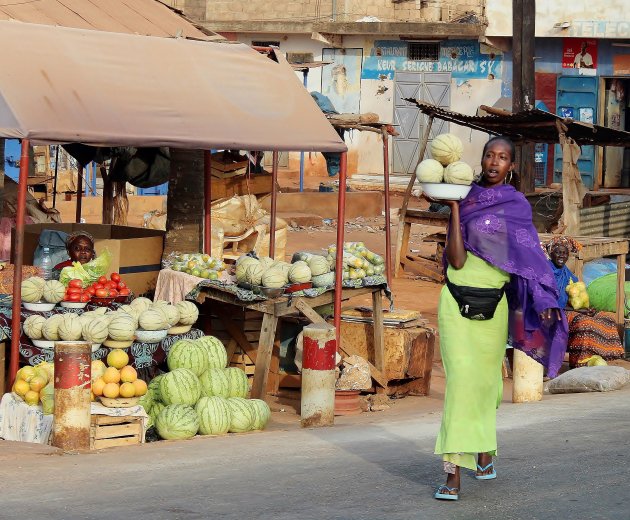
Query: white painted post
column 528, row 379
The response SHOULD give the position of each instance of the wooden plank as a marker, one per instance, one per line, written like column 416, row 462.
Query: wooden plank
column 241, row 185
column 307, row 310
column 265, row 351
column 402, row 245
column 111, row 443
column 108, row 419
column 237, row 334
column 231, row 348
column 117, row 430
column 379, row 333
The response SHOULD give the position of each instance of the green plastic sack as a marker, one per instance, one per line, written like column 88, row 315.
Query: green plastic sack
column 87, row 273
column 602, row 292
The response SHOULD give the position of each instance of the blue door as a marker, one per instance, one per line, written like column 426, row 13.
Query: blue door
column 577, row 99
column 162, row 189
column 12, row 153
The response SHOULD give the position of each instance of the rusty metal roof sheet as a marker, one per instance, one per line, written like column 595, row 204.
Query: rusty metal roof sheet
column 146, row 17
column 536, row 126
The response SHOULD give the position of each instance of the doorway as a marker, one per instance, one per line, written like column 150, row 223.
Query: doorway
column 616, row 159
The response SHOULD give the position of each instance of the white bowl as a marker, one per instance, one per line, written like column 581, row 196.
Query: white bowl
column 39, row 306
column 49, row 344
column 444, row 191
column 73, row 305
column 150, row 336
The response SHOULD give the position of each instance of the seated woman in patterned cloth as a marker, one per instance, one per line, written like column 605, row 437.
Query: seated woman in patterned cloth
column 80, row 247
column 591, row 332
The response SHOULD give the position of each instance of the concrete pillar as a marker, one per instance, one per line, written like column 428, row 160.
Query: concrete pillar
column 528, row 379
column 73, row 377
column 318, row 375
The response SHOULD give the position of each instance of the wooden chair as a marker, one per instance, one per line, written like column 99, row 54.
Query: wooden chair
column 230, row 244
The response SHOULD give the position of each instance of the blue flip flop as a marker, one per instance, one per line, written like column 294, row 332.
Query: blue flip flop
column 446, row 496
column 489, row 476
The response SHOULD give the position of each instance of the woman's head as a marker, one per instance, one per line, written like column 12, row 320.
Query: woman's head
column 80, row 246
column 560, row 247
column 497, row 160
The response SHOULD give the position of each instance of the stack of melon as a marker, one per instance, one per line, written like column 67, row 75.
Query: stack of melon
column 36, row 289
column 198, row 264
column 160, row 315
column 90, row 326
column 200, row 395
column 358, row 261
column 117, row 379
column 275, row 274
column 446, row 166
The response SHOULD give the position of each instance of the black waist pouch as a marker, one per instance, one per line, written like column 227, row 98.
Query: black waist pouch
column 476, row 303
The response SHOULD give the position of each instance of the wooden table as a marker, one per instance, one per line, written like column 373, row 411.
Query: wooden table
column 272, row 311
column 425, row 218
column 598, row 247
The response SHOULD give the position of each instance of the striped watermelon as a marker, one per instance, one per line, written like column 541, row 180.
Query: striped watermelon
column 177, row 421
column 154, row 388
column 214, row 415
column 214, row 382
column 180, row 386
column 237, row 382
column 217, row 356
column 155, row 410
column 242, row 415
column 263, row 413
column 188, row 354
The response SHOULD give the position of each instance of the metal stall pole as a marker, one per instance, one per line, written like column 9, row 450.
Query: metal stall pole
column 302, row 152
column 207, row 199
column 18, row 261
column 56, row 173
column 341, row 220
column 388, row 218
column 80, row 167
column 274, row 196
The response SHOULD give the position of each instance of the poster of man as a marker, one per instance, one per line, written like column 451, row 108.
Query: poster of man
column 579, row 53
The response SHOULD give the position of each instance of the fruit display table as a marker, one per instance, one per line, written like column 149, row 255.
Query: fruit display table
column 264, row 355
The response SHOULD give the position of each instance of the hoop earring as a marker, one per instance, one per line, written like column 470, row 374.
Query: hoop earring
column 511, row 174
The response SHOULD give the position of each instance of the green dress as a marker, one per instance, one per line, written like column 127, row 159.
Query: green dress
column 472, row 354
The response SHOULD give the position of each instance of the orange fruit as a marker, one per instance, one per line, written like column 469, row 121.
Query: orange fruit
column 127, row 390
column 98, row 385
column 92, row 397
column 20, row 387
column 117, row 358
column 140, row 387
column 111, row 375
column 31, row 398
column 128, row 374
column 98, row 369
column 111, row 390
column 37, row 383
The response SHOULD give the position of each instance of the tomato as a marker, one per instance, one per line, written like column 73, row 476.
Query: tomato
column 111, row 284
column 98, row 286
column 113, row 292
column 76, row 283
column 103, row 280
column 102, row 293
column 85, row 297
column 115, row 277
column 122, row 285
column 73, row 297
column 124, row 292
column 91, row 291
column 74, row 290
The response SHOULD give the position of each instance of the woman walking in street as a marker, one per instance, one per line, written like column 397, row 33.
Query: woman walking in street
column 497, row 278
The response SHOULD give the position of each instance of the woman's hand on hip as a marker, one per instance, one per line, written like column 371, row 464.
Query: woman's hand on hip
column 549, row 316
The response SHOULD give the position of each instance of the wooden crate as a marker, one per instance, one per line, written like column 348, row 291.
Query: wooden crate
column 106, row 431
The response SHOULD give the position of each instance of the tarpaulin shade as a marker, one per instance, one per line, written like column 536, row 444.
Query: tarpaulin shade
column 63, row 85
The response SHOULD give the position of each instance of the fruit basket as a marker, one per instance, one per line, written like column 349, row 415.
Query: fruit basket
column 444, row 191
column 119, row 402
column 123, row 299
column 73, row 305
column 102, row 301
column 39, row 306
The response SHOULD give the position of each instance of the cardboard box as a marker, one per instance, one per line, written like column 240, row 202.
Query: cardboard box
column 136, row 252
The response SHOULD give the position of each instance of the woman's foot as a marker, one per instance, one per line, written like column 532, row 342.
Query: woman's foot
column 450, row 488
column 485, row 467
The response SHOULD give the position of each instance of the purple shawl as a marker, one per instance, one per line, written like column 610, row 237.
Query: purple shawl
column 497, row 226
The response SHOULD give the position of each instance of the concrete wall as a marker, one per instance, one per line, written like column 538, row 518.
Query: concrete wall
column 587, row 18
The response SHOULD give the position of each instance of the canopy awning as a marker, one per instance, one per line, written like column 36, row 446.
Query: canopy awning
column 63, row 85
column 537, row 126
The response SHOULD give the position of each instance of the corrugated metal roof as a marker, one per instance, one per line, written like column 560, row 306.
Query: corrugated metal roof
column 146, row 17
column 537, row 126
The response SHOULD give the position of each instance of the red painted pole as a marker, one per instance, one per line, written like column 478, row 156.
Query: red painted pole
column 274, row 197
column 79, row 193
column 318, row 376
column 18, row 261
column 388, row 232
column 73, row 375
column 207, row 201
column 341, row 221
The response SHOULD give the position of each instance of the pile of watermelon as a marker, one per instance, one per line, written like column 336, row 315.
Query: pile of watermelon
column 200, row 395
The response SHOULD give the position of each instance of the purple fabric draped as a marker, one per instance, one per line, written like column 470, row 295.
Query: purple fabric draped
column 497, row 226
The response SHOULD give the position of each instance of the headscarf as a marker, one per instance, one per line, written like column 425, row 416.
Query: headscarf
column 561, row 240
column 562, row 275
column 497, row 226
column 72, row 237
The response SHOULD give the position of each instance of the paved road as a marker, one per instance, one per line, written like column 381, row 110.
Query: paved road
column 563, row 458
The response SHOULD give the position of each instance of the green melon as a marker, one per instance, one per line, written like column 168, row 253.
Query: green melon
column 154, row 388
column 33, row 326
column 96, row 330
column 214, row 415
column 122, row 327
column 180, row 386
column 263, row 413
column 242, row 415
column 300, row 272
column 214, row 382
column 32, row 289
column 324, row 280
column 217, row 356
column 152, row 319
column 237, row 382
column 318, row 265
column 50, row 329
column 69, row 328
column 187, row 353
column 54, row 291
column 177, row 421
column 188, row 312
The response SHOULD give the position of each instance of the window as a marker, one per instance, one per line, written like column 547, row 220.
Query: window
column 423, row 51
column 266, row 44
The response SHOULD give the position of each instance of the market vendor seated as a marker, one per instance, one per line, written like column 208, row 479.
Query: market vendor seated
column 591, row 332
column 80, row 247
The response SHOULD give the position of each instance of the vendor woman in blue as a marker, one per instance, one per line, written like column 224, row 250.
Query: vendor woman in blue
column 558, row 250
